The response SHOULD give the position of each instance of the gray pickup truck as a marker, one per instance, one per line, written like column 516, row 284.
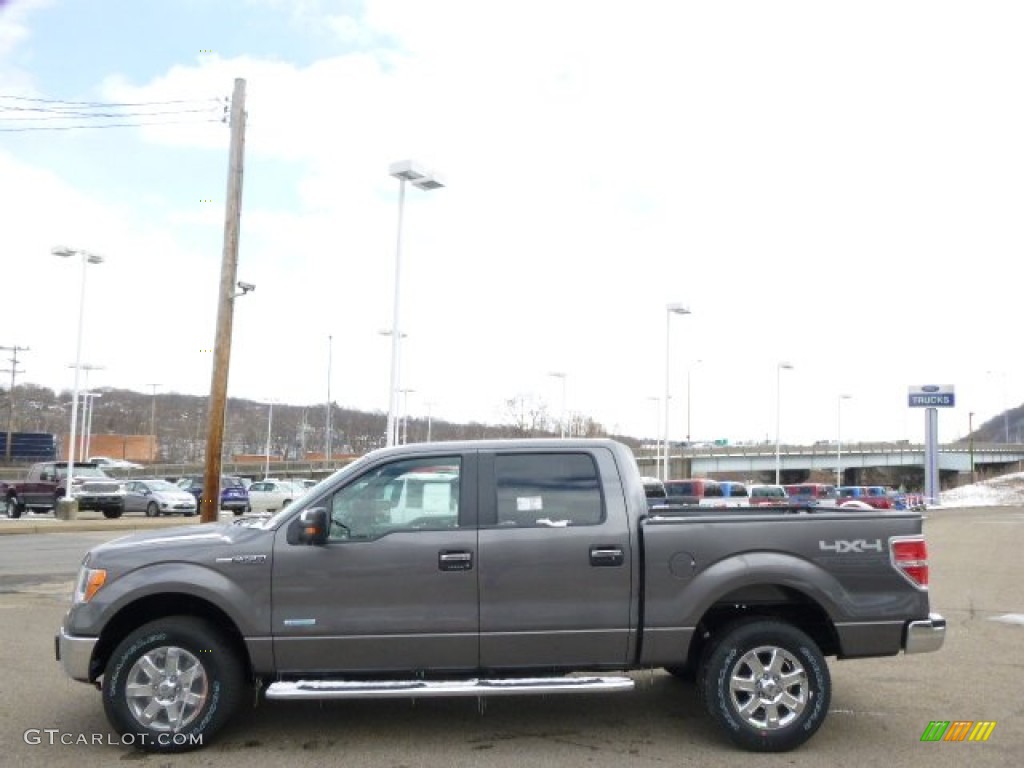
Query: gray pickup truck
column 494, row 568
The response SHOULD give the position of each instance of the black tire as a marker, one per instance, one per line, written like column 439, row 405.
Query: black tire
column 189, row 512
column 152, row 509
column 777, row 674
column 113, row 514
column 186, row 647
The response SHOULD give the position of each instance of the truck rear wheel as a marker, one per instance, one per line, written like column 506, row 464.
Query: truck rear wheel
column 766, row 684
column 172, row 684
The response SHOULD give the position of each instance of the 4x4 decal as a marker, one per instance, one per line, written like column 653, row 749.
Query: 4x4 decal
column 843, row 546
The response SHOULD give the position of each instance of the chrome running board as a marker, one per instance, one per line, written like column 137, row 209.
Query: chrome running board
column 387, row 689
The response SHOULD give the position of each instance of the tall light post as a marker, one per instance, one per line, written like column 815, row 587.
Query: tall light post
column 778, row 416
column 86, row 403
column 672, row 309
column 328, row 427
column 839, row 438
column 87, row 258
column 970, row 441
column 152, row 424
column 561, row 421
column 270, row 427
column 403, row 419
column 393, row 429
column 404, row 171
column 89, row 402
column 430, row 411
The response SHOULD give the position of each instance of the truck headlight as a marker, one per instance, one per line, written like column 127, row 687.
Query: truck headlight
column 89, row 582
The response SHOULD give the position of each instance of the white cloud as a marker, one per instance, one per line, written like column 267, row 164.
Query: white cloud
column 832, row 186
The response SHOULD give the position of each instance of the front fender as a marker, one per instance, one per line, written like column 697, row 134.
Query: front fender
column 244, row 598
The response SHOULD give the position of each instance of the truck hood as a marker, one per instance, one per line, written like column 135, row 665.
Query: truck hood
column 186, row 542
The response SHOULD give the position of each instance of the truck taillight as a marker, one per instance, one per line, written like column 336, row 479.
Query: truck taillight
column 910, row 557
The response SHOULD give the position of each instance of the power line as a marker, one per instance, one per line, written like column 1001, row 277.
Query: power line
column 106, row 125
column 107, row 104
column 48, row 114
column 24, row 115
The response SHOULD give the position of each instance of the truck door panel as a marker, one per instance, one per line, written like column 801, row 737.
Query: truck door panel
column 395, row 588
column 555, row 562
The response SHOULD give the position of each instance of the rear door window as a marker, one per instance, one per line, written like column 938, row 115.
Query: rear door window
column 547, row 490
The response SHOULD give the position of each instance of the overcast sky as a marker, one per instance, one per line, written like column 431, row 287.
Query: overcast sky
column 833, row 185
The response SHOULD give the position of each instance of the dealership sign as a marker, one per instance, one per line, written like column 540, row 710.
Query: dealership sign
column 932, row 396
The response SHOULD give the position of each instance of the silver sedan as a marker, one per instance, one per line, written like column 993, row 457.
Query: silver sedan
column 158, row 497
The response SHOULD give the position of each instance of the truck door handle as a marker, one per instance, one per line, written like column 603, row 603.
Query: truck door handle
column 607, row 556
column 458, row 560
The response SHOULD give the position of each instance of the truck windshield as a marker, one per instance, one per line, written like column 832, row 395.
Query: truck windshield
column 86, row 470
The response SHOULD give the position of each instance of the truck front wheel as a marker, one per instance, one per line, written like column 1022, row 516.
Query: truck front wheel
column 112, row 513
column 172, row 684
column 766, row 684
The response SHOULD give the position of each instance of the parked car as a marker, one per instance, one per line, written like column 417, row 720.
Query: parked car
column 876, row 499
column 768, row 495
column 654, row 490
column 108, row 463
column 158, row 497
column 233, row 495
column 813, row 494
column 45, row 484
column 272, row 495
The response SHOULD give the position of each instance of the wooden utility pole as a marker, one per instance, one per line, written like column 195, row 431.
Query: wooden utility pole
column 10, row 413
column 210, row 503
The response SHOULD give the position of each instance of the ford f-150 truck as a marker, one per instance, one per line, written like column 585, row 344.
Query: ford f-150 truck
column 46, row 483
column 494, row 568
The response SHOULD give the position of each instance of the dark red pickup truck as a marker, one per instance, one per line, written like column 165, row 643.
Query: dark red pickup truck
column 46, row 482
column 875, row 496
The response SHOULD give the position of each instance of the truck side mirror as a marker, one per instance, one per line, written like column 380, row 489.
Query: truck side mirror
column 311, row 527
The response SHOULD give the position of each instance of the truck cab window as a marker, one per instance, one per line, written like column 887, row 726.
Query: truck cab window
column 547, row 490
column 414, row 494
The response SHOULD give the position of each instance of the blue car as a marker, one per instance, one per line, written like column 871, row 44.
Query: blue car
column 234, row 497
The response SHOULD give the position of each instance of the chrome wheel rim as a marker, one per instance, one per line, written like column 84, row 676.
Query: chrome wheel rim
column 166, row 689
column 768, row 687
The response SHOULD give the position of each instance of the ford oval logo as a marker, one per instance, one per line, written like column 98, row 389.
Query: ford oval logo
column 930, row 388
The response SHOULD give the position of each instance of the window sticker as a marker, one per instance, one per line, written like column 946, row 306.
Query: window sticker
column 529, row 503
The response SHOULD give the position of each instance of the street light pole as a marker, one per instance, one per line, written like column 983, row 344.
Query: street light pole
column 328, row 427
column 839, row 438
column 404, row 171
column 404, row 417
column 90, row 404
column 270, row 426
column 970, row 441
column 778, row 416
column 561, row 420
column 672, row 309
column 87, row 258
column 152, row 424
